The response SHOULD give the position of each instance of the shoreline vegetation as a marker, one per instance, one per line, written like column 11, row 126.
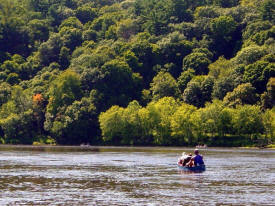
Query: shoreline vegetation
column 270, row 146
column 98, row 148
column 137, row 72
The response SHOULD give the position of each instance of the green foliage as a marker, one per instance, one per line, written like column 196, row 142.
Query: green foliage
column 5, row 92
column 268, row 10
column 18, row 102
column 243, row 94
column 12, row 78
column 184, row 78
column 14, row 65
column 250, row 3
column 226, row 3
column 256, row 27
column 165, row 122
column 126, row 126
column 268, row 97
column 49, row 51
column 155, row 14
column 78, row 124
column 249, row 55
column 226, row 77
column 225, row 31
column 197, row 61
column 71, row 22
column 71, row 37
column 18, row 128
column 160, row 113
column 86, row 13
column 136, row 125
column 220, row 68
column 223, row 27
column 13, row 34
column 16, row 118
column 39, row 30
column 258, row 74
column 269, row 124
column 192, row 94
column 215, row 119
column 164, row 85
column 183, row 124
column 65, row 63
column 173, row 48
column 205, row 12
column 118, row 82
column 110, row 124
column 126, row 29
column 248, row 120
column 58, row 12
column 223, row 86
column 198, row 91
column 64, row 91
column 147, row 55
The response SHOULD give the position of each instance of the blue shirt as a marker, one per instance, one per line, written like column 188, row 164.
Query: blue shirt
column 198, row 160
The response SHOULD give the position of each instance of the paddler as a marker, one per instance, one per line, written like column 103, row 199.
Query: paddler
column 197, row 160
column 184, row 159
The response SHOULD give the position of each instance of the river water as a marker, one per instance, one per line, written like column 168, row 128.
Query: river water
column 133, row 176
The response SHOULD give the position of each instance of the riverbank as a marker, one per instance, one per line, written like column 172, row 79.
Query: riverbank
column 271, row 146
column 97, row 148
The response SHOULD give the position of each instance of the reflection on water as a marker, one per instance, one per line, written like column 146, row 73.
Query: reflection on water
column 133, row 176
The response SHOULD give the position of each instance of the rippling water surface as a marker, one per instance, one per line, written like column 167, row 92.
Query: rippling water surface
column 133, row 176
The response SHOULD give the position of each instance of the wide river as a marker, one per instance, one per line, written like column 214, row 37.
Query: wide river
column 134, row 176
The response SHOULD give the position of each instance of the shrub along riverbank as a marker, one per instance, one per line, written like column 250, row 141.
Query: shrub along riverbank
column 168, row 122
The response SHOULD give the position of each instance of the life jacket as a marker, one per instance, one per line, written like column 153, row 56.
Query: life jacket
column 198, row 160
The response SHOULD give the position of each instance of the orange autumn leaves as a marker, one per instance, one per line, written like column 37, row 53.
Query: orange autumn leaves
column 37, row 99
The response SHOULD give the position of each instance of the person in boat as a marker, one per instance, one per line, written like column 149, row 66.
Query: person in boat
column 197, row 160
column 184, row 159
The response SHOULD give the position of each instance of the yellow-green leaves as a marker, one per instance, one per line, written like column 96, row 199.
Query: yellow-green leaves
column 183, row 124
column 64, row 90
column 223, row 27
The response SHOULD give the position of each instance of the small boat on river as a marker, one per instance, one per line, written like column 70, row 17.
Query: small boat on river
column 200, row 168
column 189, row 163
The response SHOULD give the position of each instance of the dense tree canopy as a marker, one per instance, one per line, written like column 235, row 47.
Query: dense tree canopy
column 137, row 72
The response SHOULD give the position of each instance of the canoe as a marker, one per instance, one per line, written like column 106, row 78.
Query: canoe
column 200, row 168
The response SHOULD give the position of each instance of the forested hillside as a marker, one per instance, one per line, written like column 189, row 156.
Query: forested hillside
column 137, row 72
